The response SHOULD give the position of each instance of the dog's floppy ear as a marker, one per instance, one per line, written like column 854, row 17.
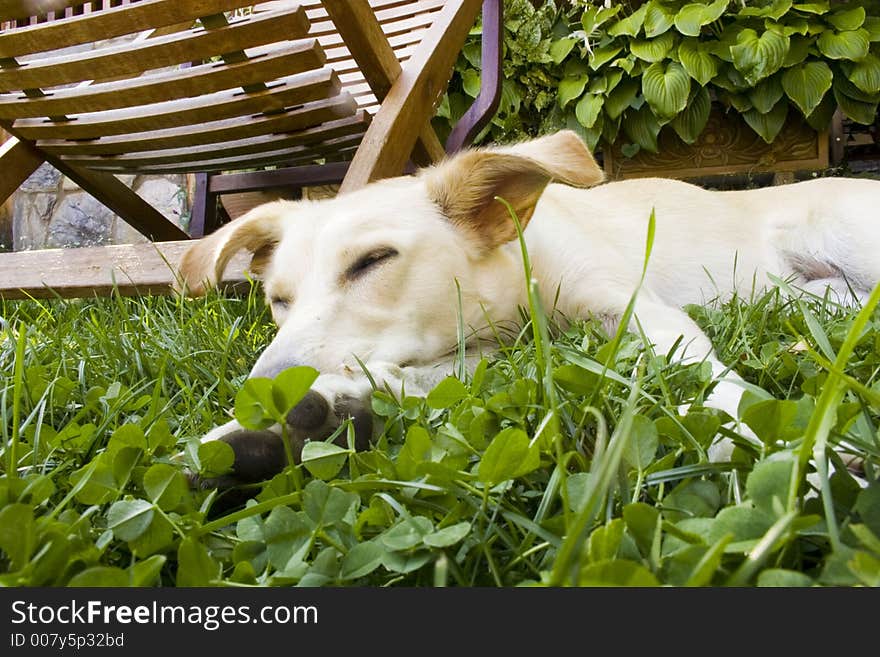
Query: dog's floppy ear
column 258, row 231
column 465, row 185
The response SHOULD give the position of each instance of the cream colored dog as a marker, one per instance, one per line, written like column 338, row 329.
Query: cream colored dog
column 372, row 274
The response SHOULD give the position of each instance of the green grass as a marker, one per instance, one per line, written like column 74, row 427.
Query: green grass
column 562, row 459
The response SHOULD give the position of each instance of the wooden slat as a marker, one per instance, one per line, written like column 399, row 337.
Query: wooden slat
column 331, row 149
column 133, row 58
column 108, row 23
column 384, row 13
column 130, row 268
column 362, row 33
column 14, row 9
column 411, row 101
column 325, row 174
column 286, row 92
column 298, row 56
column 17, row 162
column 353, row 125
column 390, row 29
column 215, row 131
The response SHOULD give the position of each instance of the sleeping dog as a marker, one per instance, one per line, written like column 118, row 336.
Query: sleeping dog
column 383, row 275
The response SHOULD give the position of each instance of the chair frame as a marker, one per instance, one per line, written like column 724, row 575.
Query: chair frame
column 398, row 134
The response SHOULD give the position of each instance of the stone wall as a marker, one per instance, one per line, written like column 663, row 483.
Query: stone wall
column 50, row 211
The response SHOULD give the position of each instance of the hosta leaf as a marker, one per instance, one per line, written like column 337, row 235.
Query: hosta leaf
column 619, row 99
column 776, row 10
column 821, row 117
column 689, row 124
column 770, row 124
column 691, row 18
column 798, row 50
column 847, row 88
column 806, row 84
column 594, row 17
column 658, row 18
column 865, row 74
column 813, row 7
column 601, row 56
column 588, row 108
column 851, row 45
column 730, row 34
column 642, row 128
column 666, row 87
column 872, row 25
column 470, row 82
column 698, row 60
column 766, row 94
column 561, row 48
column 571, row 87
column 758, row 57
column 857, row 110
column 653, row 50
column 631, row 25
column 847, row 19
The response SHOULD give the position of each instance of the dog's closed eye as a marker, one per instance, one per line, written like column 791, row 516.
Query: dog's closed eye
column 368, row 261
column 279, row 303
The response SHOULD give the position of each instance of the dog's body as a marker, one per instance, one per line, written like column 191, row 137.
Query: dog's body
column 375, row 274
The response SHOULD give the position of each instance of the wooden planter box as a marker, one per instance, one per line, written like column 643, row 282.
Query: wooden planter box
column 726, row 146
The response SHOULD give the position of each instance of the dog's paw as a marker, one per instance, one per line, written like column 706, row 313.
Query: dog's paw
column 260, row 455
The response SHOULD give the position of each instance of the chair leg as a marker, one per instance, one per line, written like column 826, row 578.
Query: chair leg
column 410, row 102
column 486, row 103
column 24, row 158
column 203, row 217
column 17, row 162
column 117, row 196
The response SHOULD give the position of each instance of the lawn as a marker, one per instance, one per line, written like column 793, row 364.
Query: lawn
column 564, row 458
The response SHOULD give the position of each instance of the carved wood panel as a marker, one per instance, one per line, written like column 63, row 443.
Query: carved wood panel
column 727, row 145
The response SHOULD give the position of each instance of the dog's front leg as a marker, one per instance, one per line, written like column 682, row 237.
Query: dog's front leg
column 333, row 400
column 664, row 325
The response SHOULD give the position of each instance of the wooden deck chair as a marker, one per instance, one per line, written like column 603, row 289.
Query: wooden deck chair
column 278, row 84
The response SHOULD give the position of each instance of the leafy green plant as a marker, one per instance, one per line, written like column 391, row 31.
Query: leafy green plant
column 470, row 485
column 626, row 71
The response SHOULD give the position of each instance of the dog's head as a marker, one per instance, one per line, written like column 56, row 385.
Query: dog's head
column 372, row 274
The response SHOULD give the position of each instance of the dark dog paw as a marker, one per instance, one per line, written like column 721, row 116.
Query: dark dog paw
column 260, row 455
column 315, row 419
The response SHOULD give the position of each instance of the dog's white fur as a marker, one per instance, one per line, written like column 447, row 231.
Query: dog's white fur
column 444, row 227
